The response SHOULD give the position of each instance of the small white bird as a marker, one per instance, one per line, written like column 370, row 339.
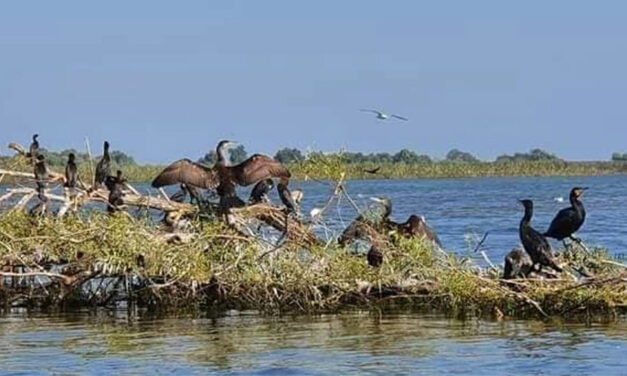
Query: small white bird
column 382, row 115
column 559, row 199
column 315, row 213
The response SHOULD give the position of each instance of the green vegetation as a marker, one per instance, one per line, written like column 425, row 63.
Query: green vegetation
column 403, row 164
column 619, row 157
column 219, row 268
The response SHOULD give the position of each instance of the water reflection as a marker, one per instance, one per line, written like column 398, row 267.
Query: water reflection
column 352, row 343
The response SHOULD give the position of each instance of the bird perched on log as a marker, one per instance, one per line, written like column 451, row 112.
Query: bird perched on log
column 534, row 243
column 414, row 225
column 41, row 177
column 71, row 172
column 184, row 191
column 33, row 150
column 115, row 185
column 103, row 168
column 518, row 264
column 224, row 177
column 260, row 192
column 569, row 220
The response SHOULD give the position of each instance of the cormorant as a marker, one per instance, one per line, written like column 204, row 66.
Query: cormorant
column 383, row 116
column 260, row 192
column 71, row 171
column 413, row 226
column 569, row 220
column 372, row 171
column 534, row 243
column 41, row 177
column 33, row 151
column 224, row 177
column 374, row 257
column 115, row 185
column 518, row 264
column 103, row 168
column 186, row 190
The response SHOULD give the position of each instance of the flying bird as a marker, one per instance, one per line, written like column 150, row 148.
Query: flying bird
column 372, row 171
column 382, row 115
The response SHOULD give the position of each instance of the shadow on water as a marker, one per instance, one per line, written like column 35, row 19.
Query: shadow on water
column 349, row 343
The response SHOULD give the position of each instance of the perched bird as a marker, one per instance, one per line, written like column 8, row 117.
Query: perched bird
column 260, row 192
column 224, row 177
column 569, row 220
column 71, row 171
column 33, row 151
column 184, row 191
column 534, row 243
column 374, row 257
column 382, row 115
column 115, row 185
column 41, row 177
column 518, row 264
column 103, row 168
column 414, row 225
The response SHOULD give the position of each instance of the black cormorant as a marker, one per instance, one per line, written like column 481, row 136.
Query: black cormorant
column 535, row 243
column 103, row 168
column 224, row 177
column 374, row 257
column 569, row 220
column 115, row 185
column 184, row 191
column 414, row 225
column 41, row 177
column 372, row 171
column 260, row 192
column 518, row 264
column 33, row 151
column 71, row 171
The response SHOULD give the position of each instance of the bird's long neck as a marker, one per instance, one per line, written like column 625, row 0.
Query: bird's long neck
column 222, row 156
column 577, row 204
column 526, row 219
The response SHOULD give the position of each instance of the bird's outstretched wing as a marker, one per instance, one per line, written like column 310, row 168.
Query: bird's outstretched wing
column 369, row 110
column 259, row 167
column 373, row 171
column 187, row 172
column 399, row 117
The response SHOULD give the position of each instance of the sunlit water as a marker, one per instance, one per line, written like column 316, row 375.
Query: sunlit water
column 347, row 344
column 246, row 343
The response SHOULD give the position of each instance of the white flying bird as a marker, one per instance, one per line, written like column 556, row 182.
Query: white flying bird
column 383, row 116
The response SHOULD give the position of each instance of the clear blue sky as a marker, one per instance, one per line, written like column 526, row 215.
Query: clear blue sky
column 165, row 80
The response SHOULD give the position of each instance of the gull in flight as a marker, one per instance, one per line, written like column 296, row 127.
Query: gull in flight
column 383, row 116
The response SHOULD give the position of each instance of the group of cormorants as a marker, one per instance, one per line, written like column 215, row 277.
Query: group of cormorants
column 115, row 184
column 536, row 252
column 261, row 170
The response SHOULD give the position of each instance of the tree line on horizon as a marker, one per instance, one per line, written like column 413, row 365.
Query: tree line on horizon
column 293, row 155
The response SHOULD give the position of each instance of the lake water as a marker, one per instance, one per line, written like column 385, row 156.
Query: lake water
column 246, row 343
column 349, row 344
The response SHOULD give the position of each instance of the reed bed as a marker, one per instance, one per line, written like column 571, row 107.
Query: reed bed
column 328, row 167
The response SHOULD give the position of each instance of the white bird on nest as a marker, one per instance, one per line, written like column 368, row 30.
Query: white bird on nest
column 383, row 115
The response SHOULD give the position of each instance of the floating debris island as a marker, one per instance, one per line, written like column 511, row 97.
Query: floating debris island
column 157, row 253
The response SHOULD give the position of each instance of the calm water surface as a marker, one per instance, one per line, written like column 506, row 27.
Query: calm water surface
column 353, row 343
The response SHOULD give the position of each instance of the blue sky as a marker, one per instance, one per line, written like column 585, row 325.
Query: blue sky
column 165, row 80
